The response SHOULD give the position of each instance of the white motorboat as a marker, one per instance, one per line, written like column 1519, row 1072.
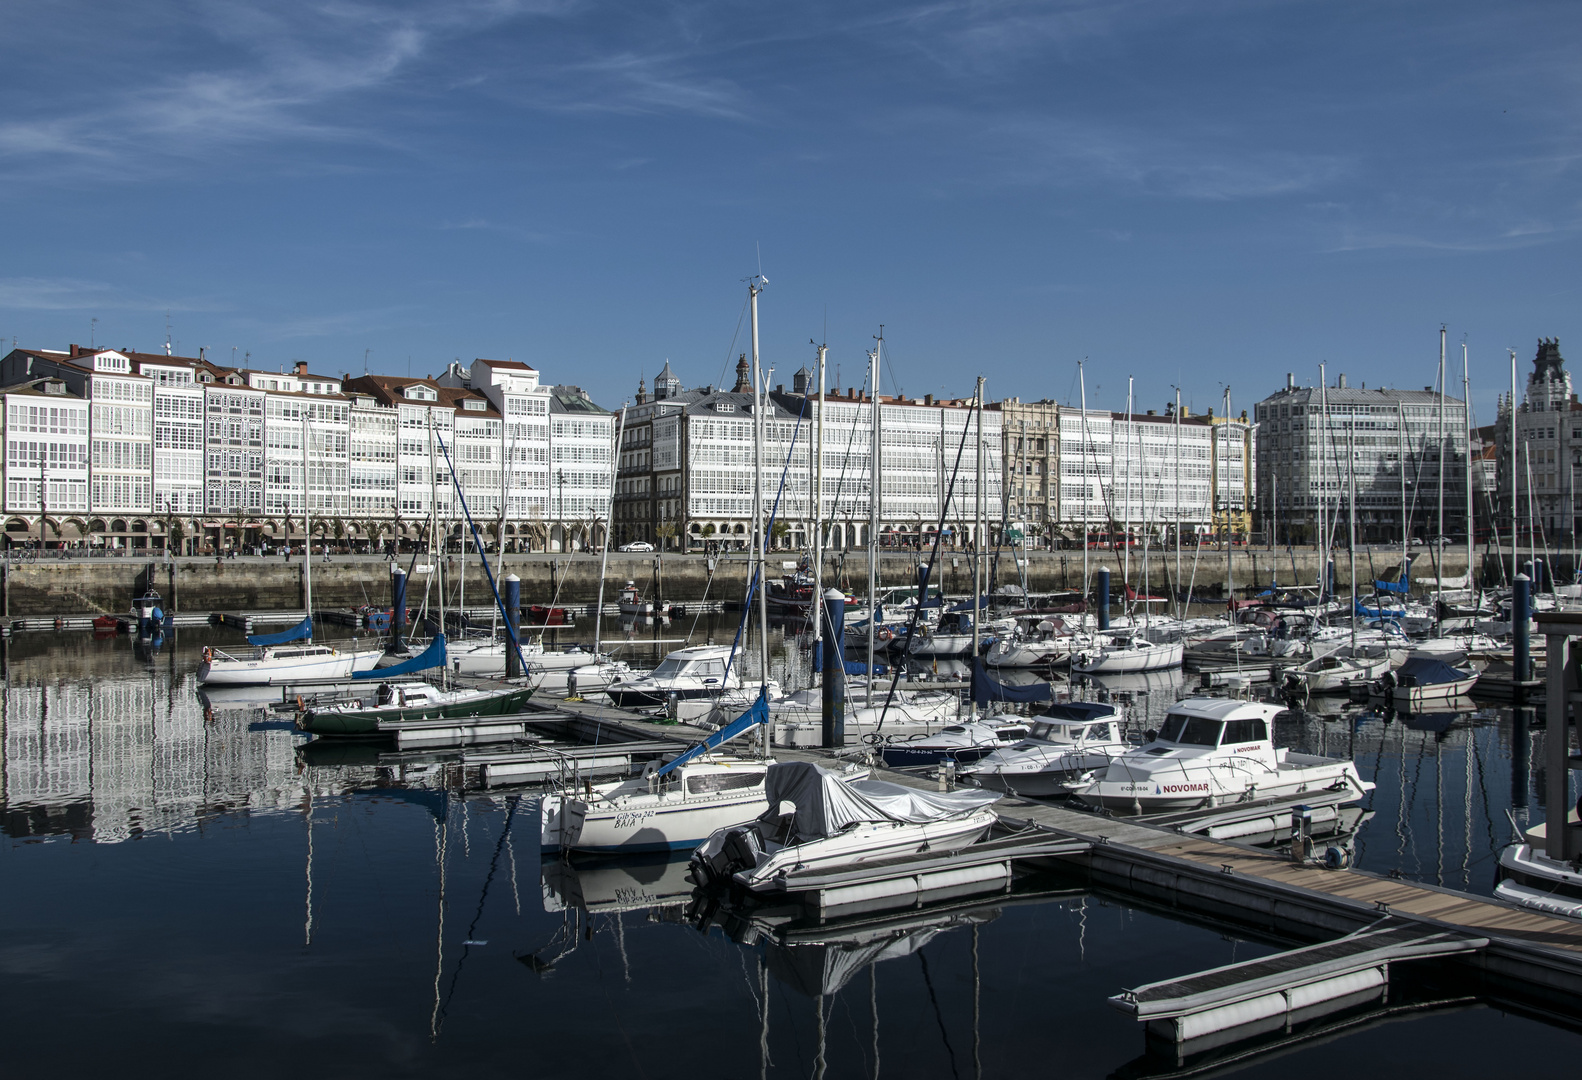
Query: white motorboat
column 1334, row 673
column 1211, row 752
column 271, row 665
column 1062, row 746
column 685, row 674
column 960, row 743
column 816, row 822
column 654, row 813
column 1530, row 878
column 1114, row 653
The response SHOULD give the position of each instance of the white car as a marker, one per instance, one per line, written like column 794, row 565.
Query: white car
column 636, row 545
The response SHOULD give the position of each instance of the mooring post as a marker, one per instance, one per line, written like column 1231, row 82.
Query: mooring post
column 1521, row 624
column 1104, row 598
column 513, row 615
column 834, row 669
column 397, row 608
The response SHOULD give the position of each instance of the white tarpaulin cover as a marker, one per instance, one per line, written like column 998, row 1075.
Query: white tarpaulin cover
column 825, row 805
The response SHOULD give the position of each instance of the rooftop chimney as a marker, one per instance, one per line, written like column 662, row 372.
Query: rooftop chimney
column 928, row 399
column 302, row 367
column 1290, row 381
column 1340, row 384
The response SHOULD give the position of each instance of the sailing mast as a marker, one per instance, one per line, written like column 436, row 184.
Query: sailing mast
column 754, row 287
column 1515, row 533
column 1230, row 544
column 1087, row 481
column 307, row 528
column 977, row 545
column 1180, row 604
column 874, row 494
column 604, row 551
column 1466, row 425
column 1400, row 450
column 1439, row 520
column 1351, row 523
column 816, row 608
column 1323, row 490
column 1126, row 498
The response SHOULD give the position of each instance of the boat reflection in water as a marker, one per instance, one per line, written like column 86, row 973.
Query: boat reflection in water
column 818, row 959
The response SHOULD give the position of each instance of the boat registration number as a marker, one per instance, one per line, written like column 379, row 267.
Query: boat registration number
column 631, row 818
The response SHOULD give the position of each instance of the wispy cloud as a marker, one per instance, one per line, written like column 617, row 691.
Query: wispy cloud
column 275, row 75
column 77, row 294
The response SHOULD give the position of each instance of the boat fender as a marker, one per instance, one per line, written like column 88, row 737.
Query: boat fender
column 301, row 705
column 58, row 622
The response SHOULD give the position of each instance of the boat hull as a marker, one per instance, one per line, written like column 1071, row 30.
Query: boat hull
column 568, row 823
column 643, row 698
column 219, row 672
column 1121, row 661
column 906, row 756
column 868, row 844
column 372, row 722
column 1192, row 789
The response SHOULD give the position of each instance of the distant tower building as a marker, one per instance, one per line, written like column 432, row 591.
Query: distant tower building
column 642, row 392
column 802, row 382
column 666, row 385
column 744, row 379
column 1548, row 434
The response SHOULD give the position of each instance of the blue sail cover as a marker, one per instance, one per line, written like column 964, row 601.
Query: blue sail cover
column 757, row 714
column 431, row 657
column 1380, row 612
column 303, row 629
column 1429, row 671
column 986, row 688
column 853, row 667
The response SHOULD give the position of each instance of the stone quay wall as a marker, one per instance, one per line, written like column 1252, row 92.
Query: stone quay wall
column 247, row 584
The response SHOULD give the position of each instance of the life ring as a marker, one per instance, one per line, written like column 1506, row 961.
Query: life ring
column 882, row 634
column 208, row 654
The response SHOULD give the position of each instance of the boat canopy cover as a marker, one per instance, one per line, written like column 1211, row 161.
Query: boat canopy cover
column 1428, row 671
column 755, row 715
column 986, row 688
column 303, row 629
column 431, row 657
column 1392, row 586
column 825, row 805
column 966, row 605
column 853, row 667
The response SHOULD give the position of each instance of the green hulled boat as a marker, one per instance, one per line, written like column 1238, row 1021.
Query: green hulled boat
column 398, row 702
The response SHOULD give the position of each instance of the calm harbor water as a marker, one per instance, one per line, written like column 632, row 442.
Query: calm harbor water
column 182, row 895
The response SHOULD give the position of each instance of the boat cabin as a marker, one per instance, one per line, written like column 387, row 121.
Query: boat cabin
column 1217, row 726
column 143, row 607
column 705, row 663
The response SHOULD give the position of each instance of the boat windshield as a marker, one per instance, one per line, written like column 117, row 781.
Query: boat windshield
column 1190, row 730
column 670, row 665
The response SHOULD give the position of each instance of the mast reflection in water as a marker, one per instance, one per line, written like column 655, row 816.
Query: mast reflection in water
column 183, row 891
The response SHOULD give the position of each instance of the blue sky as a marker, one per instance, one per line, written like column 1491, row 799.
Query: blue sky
column 1192, row 194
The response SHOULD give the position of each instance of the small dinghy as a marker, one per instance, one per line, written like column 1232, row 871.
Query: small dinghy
column 1530, row 878
column 1334, row 674
column 816, row 821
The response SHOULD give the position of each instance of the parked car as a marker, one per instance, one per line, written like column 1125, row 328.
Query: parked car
column 636, row 545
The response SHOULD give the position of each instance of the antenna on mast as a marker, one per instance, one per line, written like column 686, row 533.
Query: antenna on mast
column 167, row 333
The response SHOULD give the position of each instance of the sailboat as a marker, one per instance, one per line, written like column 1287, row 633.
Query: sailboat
column 289, row 656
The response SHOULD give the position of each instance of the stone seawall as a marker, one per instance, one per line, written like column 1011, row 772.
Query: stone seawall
column 48, row 587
